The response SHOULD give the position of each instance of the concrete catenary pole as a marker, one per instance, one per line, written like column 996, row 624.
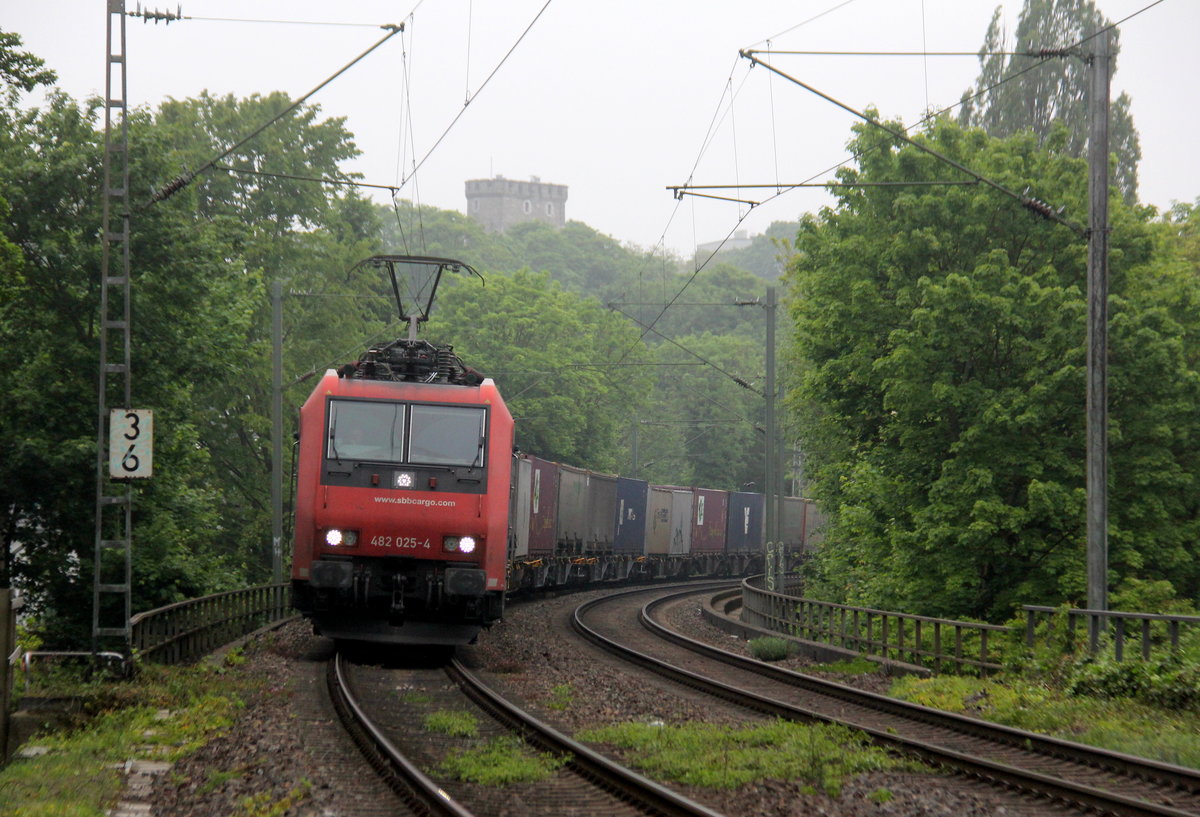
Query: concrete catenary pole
column 1097, row 335
column 774, row 556
column 277, row 432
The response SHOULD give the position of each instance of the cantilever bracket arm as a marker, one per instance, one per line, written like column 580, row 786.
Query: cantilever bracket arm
column 1032, row 204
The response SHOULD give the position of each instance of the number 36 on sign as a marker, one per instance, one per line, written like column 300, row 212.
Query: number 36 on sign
column 130, row 443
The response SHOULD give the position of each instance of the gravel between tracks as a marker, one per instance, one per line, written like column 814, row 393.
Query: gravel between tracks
column 274, row 755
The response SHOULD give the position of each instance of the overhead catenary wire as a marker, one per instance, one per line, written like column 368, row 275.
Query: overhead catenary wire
column 742, row 216
column 1041, row 54
column 1039, row 207
column 1033, row 204
column 468, row 99
column 735, row 378
column 184, row 179
column 803, row 23
column 482, row 85
column 293, row 177
column 1030, row 203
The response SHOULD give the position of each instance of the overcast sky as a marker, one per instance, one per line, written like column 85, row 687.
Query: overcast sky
column 613, row 98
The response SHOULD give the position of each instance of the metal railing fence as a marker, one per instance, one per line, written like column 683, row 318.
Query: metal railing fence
column 879, row 634
column 1105, row 627
column 185, row 631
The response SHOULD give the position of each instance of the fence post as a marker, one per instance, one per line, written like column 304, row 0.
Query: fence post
column 8, row 625
column 937, row 646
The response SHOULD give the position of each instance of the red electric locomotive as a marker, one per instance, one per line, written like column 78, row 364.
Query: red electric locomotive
column 403, row 488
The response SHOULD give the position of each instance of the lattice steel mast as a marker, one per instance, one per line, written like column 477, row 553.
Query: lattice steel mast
column 114, row 501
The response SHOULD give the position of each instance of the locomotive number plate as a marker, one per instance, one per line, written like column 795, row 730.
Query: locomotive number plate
column 400, row 542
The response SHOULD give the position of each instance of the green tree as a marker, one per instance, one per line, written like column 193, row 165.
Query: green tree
column 767, row 254
column 1015, row 92
column 940, row 337
column 577, row 256
column 706, row 428
column 548, row 350
column 308, row 237
column 202, row 263
column 50, row 170
column 20, row 70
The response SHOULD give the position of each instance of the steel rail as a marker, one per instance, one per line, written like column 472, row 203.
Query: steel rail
column 1152, row 771
column 402, row 775
column 1003, row 774
column 626, row 783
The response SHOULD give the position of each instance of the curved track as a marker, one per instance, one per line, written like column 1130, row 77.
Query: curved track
column 413, row 786
column 589, row 784
column 1068, row 773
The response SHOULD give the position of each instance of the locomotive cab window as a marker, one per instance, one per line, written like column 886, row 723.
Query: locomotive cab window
column 447, row 435
column 366, row 431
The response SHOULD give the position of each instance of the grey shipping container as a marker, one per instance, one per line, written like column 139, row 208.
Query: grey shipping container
column 791, row 521
column 602, row 504
column 522, row 485
column 681, row 521
column 572, row 509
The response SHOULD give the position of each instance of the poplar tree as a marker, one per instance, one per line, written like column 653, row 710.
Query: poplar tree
column 1017, row 92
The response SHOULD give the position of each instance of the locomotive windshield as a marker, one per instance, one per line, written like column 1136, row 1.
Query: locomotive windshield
column 436, row 435
column 447, row 435
column 366, row 431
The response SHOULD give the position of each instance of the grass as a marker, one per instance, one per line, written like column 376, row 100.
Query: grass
column 455, row 723
column 501, row 761
column 1120, row 724
column 79, row 775
column 852, row 666
column 561, row 697
column 725, row 757
column 769, row 648
column 264, row 804
column 217, row 779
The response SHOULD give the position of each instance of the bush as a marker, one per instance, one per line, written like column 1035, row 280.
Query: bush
column 769, row 648
column 1169, row 683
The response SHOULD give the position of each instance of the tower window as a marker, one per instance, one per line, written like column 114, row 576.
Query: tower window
column 527, row 206
column 549, row 208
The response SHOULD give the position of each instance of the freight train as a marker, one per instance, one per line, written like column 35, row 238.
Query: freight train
column 414, row 517
column 574, row 526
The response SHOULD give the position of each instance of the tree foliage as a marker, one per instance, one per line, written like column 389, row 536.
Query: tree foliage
column 940, row 334
column 20, row 70
column 767, row 254
column 202, row 262
column 1018, row 92
column 549, row 351
column 696, row 425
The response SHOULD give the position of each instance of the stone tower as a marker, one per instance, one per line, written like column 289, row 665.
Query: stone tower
column 499, row 203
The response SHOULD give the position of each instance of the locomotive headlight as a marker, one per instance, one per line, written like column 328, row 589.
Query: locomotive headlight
column 335, row 537
column 462, row 544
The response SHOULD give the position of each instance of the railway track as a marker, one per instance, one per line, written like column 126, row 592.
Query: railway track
column 1067, row 773
column 588, row 784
